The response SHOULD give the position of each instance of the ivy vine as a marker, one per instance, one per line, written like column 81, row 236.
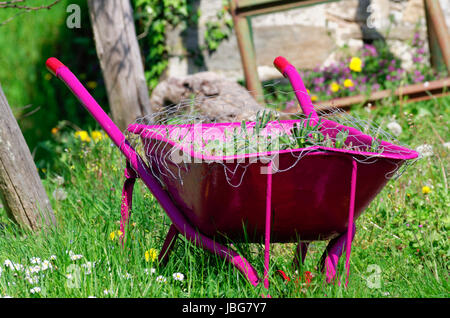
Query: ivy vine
column 218, row 30
column 153, row 17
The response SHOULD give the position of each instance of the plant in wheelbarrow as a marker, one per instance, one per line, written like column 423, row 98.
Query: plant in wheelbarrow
column 269, row 180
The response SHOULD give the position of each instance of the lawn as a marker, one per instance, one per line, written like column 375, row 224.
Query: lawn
column 400, row 250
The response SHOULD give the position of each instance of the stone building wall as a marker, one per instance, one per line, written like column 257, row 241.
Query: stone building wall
column 308, row 36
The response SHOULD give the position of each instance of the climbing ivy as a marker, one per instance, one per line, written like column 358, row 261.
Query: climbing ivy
column 153, row 17
column 219, row 29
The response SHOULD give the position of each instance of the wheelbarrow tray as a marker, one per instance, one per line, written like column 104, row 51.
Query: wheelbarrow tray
column 224, row 197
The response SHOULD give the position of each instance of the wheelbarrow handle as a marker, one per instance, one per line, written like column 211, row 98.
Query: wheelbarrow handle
column 63, row 73
column 289, row 71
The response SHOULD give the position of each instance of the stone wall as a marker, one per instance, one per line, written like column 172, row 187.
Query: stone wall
column 308, row 36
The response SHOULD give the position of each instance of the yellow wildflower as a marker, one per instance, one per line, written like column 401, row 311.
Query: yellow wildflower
column 97, row 135
column 348, row 83
column 355, row 64
column 113, row 234
column 334, row 87
column 151, row 255
column 426, row 189
column 91, row 84
column 55, row 130
column 83, row 135
column 313, row 98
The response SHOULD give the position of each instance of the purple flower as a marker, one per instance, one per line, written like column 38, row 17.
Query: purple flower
column 370, row 50
column 417, row 59
column 421, row 50
column 419, row 79
column 318, row 80
column 391, row 68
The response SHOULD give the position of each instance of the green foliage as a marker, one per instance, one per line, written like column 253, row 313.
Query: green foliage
column 39, row 100
column 153, row 18
column 219, row 29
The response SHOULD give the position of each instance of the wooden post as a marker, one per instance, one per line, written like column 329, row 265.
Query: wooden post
column 21, row 189
column 438, row 36
column 120, row 59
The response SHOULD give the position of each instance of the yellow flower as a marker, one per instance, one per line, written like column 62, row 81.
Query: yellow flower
column 334, row 87
column 91, row 84
column 151, row 255
column 97, row 135
column 83, row 135
column 355, row 64
column 113, row 234
column 348, row 83
column 313, row 98
column 55, row 130
column 426, row 189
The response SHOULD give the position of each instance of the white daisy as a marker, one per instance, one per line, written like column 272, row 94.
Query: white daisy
column 32, row 279
column 161, row 279
column 53, row 257
column 9, row 264
column 34, row 269
column 178, row 276
column 46, row 265
column 149, row 271
column 88, row 267
column 35, row 290
column 74, row 256
column 35, row 260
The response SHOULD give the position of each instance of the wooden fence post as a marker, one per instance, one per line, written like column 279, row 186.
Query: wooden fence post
column 120, row 59
column 21, row 189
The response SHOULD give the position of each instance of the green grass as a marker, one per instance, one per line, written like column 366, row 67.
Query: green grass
column 402, row 236
column 39, row 101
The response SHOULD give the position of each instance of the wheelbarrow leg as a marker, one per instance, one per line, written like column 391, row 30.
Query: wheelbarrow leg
column 333, row 252
column 168, row 245
column 300, row 253
column 344, row 241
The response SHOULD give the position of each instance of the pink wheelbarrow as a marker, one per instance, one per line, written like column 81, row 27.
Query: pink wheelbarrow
column 318, row 198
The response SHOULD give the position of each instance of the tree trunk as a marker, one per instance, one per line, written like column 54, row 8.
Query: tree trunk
column 120, row 59
column 21, row 189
